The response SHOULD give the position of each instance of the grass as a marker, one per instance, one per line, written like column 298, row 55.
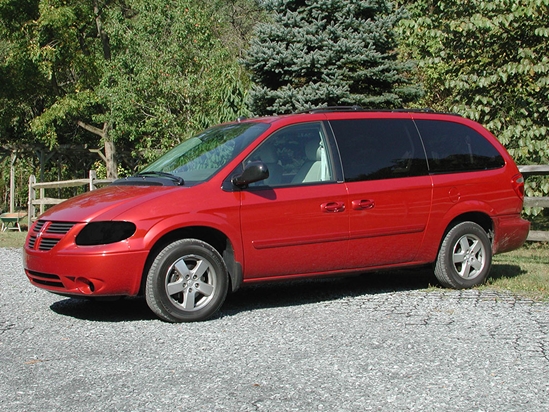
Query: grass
column 524, row 271
column 12, row 239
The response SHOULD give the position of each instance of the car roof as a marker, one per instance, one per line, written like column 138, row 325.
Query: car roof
column 351, row 112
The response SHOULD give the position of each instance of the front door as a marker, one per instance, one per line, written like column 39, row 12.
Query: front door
column 296, row 221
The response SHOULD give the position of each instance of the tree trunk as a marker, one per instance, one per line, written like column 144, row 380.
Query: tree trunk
column 110, row 154
column 110, row 151
column 102, row 34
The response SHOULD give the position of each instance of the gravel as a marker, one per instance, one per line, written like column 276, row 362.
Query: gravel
column 346, row 344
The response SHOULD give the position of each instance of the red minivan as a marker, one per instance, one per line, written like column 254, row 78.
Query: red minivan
column 330, row 191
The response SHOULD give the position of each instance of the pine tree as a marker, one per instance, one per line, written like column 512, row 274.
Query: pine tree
column 317, row 53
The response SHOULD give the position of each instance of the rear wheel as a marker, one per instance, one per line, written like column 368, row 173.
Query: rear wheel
column 187, row 282
column 465, row 257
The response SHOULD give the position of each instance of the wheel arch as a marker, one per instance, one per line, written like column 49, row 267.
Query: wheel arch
column 214, row 237
column 480, row 218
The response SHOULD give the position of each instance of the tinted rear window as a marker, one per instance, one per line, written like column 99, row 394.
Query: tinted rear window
column 373, row 149
column 454, row 147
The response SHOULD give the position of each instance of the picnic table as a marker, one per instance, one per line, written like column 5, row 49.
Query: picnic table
column 10, row 221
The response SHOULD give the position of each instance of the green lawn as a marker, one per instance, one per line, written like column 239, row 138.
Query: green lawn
column 524, row 271
column 12, row 239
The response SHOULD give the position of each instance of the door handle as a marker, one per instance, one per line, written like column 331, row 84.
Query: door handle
column 333, row 207
column 363, row 204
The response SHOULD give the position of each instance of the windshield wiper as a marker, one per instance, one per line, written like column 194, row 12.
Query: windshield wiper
column 174, row 178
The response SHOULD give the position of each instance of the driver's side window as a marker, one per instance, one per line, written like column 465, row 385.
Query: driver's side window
column 294, row 155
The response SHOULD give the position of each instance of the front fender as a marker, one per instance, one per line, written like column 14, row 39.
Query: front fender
column 172, row 224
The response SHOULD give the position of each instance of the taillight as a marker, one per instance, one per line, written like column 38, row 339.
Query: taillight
column 518, row 185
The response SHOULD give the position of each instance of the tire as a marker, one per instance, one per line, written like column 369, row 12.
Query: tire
column 187, row 282
column 465, row 257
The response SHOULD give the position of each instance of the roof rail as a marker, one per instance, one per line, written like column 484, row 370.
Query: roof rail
column 356, row 108
column 325, row 109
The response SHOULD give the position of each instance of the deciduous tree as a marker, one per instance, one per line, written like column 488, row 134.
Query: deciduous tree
column 170, row 74
column 489, row 61
column 129, row 73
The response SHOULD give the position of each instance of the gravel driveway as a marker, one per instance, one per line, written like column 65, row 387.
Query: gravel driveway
column 348, row 344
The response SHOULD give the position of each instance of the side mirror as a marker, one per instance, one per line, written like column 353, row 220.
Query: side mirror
column 253, row 172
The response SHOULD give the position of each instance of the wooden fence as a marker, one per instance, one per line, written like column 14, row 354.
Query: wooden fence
column 37, row 191
column 527, row 171
column 93, row 182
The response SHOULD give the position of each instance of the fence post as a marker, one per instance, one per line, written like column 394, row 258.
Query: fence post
column 32, row 196
column 93, row 176
column 42, row 196
column 12, row 181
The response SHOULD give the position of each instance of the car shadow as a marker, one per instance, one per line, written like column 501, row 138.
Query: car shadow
column 503, row 271
column 274, row 294
column 103, row 310
column 258, row 296
column 299, row 292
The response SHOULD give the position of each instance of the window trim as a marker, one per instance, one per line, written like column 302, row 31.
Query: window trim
column 331, row 151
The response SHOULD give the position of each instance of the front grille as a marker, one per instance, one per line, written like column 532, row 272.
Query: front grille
column 60, row 228
column 48, row 244
column 47, row 234
column 32, row 242
column 39, row 225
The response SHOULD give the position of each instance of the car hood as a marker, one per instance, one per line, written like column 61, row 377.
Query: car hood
column 106, row 203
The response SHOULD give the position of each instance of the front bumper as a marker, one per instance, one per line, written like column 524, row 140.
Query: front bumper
column 86, row 274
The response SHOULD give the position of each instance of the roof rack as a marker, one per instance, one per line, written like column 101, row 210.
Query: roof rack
column 356, row 108
column 325, row 109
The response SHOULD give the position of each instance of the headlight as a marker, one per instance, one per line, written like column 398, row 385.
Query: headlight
column 102, row 233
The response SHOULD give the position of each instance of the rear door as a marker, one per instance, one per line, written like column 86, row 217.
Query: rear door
column 389, row 189
column 296, row 221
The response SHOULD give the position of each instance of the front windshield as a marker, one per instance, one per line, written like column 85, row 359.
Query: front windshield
column 199, row 158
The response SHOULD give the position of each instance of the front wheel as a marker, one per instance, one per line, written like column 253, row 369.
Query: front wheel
column 465, row 257
column 187, row 282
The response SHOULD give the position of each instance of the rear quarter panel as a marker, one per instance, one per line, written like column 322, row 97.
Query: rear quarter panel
column 455, row 194
column 488, row 191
